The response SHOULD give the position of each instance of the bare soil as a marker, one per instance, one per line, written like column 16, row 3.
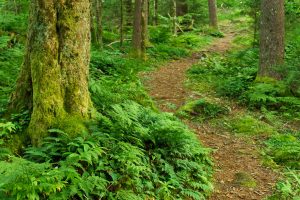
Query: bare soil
column 233, row 154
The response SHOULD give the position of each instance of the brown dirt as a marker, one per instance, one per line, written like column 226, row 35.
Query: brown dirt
column 232, row 154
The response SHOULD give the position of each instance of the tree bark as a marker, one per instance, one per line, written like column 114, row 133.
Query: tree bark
column 182, row 7
column 174, row 8
column 137, row 29
column 271, row 38
column 155, row 12
column 144, row 38
column 212, row 8
column 121, row 24
column 99, row 29
column 129, row 12
column 53, row 82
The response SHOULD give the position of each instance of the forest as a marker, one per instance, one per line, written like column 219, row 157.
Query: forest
column 149, row 99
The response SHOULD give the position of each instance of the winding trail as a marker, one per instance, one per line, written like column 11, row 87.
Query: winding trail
column 233, row 155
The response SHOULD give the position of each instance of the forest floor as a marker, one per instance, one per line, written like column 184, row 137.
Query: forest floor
column 233, row 155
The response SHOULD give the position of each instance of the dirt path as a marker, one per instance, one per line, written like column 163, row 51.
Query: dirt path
column 233, row 155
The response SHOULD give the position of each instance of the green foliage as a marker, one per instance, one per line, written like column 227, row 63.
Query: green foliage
column 164, row 51
column 234, row 77
column 130, row 152
column 14, row 15
column 159, row 34
column 274, row 96
column 11, row 55
column 202, row 109
column 190, row 40
column 114, row 79
column 285, row 149
column 250, row 126
column 288, row 189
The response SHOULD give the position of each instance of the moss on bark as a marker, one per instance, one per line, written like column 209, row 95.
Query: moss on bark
column 55, row 71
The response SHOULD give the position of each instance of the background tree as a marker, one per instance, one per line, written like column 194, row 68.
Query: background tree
column 182, row 7
column 174, row 20
column 53, row 82
column 139, row 35
column 155, row 12
column 271, row 37
column 99, row 28
column 212, row 8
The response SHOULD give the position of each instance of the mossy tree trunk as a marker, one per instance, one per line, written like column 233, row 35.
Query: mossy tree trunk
column 271, row 38
column 212, row 8
column 53, row 83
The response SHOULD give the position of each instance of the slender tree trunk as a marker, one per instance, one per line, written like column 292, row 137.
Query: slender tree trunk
column 255, row 28
column 174, row 12
column 121, row 24
column 99, row 11
column 145, row 18
column 271, row 37
column 94, row 35
column 155, row 12
column 144, row 41
column 129, row 12
column 53, row 82
column 212, row 7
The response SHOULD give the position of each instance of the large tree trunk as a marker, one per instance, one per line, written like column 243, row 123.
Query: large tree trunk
column 53, row 82
column 212, row 8
column 271, row 37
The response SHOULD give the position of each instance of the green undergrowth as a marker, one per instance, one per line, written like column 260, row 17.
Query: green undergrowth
column 166, row 46
column 130, row 152
column 11, row 56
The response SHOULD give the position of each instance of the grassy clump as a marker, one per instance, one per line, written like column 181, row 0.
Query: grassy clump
column 250, row 126
column 244, row 179
column 130, row 151
column 202, row 109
